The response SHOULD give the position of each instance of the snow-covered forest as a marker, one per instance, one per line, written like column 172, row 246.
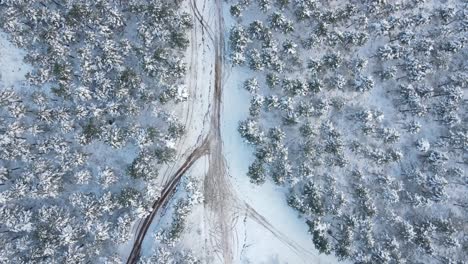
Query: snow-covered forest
column 359, row 110
column 128, row 130
column 84, row 134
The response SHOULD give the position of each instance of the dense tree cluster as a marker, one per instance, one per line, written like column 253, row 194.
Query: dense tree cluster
column 81, row 144
column 358, row 109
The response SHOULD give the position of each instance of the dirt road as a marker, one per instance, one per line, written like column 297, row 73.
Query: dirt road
column 216, row 186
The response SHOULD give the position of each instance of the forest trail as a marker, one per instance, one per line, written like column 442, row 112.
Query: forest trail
column 222, row 205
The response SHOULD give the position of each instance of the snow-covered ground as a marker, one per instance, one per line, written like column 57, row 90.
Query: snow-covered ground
column 12, row 67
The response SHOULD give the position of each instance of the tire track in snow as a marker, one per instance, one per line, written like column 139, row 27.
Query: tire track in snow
column 163, row 199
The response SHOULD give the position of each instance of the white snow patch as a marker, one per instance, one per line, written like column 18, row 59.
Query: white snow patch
column 12, row 67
